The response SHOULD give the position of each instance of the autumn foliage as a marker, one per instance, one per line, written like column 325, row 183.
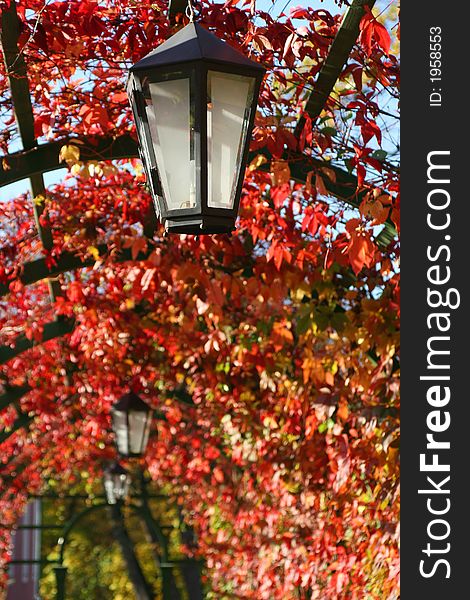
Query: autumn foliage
column 273, row 353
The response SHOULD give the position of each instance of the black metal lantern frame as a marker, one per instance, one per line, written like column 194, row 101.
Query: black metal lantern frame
column 195, row 69
column 131, row 420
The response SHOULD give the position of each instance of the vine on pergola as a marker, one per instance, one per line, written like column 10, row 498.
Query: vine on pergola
column 272, row 352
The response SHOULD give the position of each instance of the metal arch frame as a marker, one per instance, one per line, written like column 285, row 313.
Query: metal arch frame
column 59, row 569
column 165, row 565
column 67, row 530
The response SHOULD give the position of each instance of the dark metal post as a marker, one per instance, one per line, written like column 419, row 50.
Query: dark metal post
column 191, row 571
column 169, row 588
column 60, row 574
column 142, row 589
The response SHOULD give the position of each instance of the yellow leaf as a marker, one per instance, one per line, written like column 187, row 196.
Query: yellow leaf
column 302, row 291
column 75, row 170
column 293, row 487
column 70, row 154
column 93, row 250
column 39, row 200
column 270, row 423
column 257, row 162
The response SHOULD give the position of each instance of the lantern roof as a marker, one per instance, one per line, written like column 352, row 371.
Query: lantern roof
column 131, row 401
column 193, row 43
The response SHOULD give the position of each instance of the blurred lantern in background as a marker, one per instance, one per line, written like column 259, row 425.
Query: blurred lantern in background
column 116, row 482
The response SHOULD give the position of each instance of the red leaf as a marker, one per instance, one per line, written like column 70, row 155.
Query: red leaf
column 139, row 245
column 75, row 293
column 306, row 137
column 361, row 249
column 278, row 257
column 382, row 37
column 373, row 31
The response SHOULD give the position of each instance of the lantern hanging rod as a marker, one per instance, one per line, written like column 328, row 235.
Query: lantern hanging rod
column 190, row 12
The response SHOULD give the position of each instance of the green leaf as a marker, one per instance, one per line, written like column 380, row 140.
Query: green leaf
column 328, row 131
column 379, row 155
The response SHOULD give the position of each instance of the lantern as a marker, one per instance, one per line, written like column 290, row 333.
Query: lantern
column 194, row 101
column 131, row 418
column 116, row 483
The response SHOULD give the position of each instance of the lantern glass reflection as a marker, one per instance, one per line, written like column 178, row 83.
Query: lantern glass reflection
column 228, row 111
column 169, row 110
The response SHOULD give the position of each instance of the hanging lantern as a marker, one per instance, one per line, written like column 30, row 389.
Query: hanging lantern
column 131, row 418
column 194, row 101
column 116, row 483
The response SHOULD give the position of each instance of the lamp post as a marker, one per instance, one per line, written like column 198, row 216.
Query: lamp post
column 116, row 482
column 131, row 419
column 60, row 574
column 194, row 101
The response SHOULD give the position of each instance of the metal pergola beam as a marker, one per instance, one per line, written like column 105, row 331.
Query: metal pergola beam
column 343, row 187
column 22, row 421
column 20, row 94
column 337, row 57
column 22, row 343
column 13, row 394
column 45, row 157
column 38, row 269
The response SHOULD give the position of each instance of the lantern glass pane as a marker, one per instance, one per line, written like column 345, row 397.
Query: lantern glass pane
column 138, row 430
column 228, row 114
column 171, row 124
column 121, row 431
